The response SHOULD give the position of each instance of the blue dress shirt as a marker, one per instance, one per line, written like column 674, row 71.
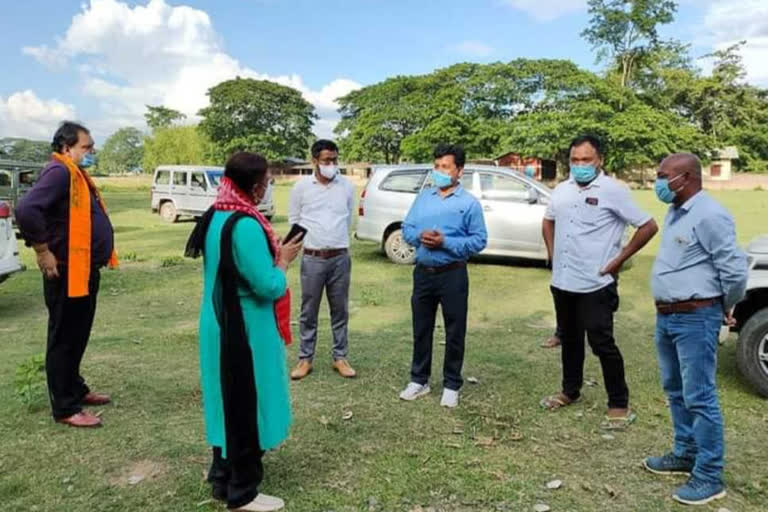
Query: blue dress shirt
column 457, row 216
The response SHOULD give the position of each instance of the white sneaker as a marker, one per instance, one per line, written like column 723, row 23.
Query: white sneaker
column 450, row 398
column 413, row 391
column 263, row 503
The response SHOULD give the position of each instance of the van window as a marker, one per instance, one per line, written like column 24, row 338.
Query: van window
column 404, row 181
column 198, row 180
column 5, row 179
column 180, row 178
column 502, row 188
column 163, row 178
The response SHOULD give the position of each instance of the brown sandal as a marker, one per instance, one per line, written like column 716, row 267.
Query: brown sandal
column 556, row 401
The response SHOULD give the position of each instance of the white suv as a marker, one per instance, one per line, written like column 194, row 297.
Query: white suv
column 9, row 249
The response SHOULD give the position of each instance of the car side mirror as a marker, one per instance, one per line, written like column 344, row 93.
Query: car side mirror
column 532, row 195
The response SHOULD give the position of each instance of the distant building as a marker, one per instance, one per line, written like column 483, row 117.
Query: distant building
column 539, row 168
column 721, row 167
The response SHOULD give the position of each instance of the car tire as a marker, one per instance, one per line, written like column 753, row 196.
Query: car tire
column 268, row 217
column 168, row 212
column 398, row 250
column 753, row 344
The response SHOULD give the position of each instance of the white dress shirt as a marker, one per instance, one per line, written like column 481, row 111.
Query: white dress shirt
column 325, row 210
column 589, row 225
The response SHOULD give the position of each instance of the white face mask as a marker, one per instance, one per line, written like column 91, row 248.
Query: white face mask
column 328, row 171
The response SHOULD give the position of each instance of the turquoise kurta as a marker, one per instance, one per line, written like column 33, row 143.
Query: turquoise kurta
column 265, row 284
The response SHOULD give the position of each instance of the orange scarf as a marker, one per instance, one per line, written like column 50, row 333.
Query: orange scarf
column 79, row 260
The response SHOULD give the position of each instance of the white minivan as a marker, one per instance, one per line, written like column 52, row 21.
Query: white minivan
column 191, row 189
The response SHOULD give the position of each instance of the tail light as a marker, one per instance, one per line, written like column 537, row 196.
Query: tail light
column 360, row 209
column 5, row 210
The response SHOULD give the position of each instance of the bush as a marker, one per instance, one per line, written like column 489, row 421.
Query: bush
column 29, row 383
column 171, row 261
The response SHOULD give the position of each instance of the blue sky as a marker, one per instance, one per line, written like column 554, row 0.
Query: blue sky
column 100, row 61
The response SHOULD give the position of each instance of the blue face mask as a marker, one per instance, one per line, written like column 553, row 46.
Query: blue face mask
column 663, row 192
column 87, row 161
column 583, row 173
column 441, row 180
column 530, row 172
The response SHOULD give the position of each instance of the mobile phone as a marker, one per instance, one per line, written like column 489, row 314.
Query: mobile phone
column 296, row 231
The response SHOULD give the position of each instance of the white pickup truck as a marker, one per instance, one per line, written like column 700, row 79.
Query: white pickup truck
column 9, row 248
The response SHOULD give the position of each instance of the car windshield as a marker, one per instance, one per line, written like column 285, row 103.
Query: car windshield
column 214, row 177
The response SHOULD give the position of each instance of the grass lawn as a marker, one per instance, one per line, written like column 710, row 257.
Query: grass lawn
column 496, row 452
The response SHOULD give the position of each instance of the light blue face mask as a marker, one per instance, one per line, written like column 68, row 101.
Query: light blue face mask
column 583, row 173
column 88, row 160
column 663, row 192
column 441, row 180
column 530, row 171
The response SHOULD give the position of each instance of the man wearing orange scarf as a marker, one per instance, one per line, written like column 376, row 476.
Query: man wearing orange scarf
column 64, row 218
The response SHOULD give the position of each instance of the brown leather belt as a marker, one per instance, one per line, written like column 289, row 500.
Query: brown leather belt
column 686, row 306
column 443, row 268
column 324, row 253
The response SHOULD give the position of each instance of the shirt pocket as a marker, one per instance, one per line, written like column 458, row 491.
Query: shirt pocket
column 590, row 213
column 683, row 245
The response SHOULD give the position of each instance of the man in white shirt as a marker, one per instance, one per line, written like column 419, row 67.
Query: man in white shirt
column 324, row 203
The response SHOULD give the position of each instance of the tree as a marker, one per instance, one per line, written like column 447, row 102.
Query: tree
column 625, row 32
column 123, row 151
column 24, row 150
column 176, row 145
column 162, row 117
column 257, row 115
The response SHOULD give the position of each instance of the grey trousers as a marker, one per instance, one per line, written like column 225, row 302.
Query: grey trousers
column 333, row 275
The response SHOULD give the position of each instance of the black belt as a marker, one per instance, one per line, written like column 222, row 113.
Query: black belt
column 324, row 253
column 443, row 268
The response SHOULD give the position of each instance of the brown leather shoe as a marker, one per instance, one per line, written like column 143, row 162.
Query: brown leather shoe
column 346, row 371
column 96, row 399
column 82, row 419
column 302, row 369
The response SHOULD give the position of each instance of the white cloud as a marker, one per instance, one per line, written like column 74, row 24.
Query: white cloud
column 473, row 49
column 731, row 21
column 157, row 54
column 23, row 114
column 546, row 10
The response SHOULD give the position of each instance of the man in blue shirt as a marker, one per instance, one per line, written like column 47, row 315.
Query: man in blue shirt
column 583, row 229
column 446, row 226
column 699, row 275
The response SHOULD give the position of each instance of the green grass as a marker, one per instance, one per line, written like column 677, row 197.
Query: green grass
column 496, row 452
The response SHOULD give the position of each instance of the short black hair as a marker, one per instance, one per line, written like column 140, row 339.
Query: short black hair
column 246, row 169
column 66, row 135
column 587, row 139
column 459, row 156
column 323, row 144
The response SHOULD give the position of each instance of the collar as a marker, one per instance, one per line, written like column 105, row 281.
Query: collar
column 686, row 206
column 315, row 180
column 458, row 191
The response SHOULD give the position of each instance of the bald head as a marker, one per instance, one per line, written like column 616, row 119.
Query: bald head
column 679, row 163
column 683, row 172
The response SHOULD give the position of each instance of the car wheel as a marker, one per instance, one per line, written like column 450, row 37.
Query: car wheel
column 398, row 249
column 168, row 212
column 269, row 217
column 752, row 355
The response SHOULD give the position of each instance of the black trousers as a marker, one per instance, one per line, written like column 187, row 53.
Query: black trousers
column 69, row 327
column 450, row 290
column 236, row 481
column 590, row 313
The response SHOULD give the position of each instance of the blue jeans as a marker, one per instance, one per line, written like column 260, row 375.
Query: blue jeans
column 687, row 348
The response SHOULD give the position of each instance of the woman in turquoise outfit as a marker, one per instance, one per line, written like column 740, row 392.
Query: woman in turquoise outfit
column 244, row 327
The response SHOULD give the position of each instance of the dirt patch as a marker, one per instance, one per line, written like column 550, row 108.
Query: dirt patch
column 139, row 472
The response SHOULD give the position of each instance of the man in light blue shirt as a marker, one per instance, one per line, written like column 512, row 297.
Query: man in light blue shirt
column 699, row 274
column 446, row 226
column 583, row 228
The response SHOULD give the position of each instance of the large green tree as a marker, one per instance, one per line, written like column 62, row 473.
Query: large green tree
column 257, row 115
column 162, row 117
column 625, row 33
column 123, row 151
column 176, row 145
column 25, row 150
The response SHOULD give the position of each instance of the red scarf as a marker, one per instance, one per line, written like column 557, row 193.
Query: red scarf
column 231, row 198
